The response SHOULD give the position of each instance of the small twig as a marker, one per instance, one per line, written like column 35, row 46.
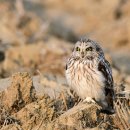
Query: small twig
column 39, row 73
column 40, row 124
column 63, row 97
column 122, row 113
column 127, row 110
column 121, row 97
column 126, row 91
column 126, row 114
column 122, row 121
column 111, row 124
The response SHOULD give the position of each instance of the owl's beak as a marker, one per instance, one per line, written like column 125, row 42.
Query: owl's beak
column 82, row 54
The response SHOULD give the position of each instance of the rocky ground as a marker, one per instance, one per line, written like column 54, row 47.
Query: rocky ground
column 36, row 37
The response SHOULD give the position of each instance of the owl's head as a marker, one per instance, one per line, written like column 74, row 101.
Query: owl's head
column 87, row 49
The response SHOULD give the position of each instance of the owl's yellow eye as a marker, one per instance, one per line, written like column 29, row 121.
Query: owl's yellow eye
column 77, row 49
column 89, row 49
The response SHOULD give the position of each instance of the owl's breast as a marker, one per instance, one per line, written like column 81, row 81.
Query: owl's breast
column 86, row 80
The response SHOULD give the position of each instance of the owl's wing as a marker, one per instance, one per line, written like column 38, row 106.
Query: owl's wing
column 105, row 68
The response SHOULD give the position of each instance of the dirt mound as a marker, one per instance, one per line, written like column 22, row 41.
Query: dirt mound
column 23, row 108
column 20, row 93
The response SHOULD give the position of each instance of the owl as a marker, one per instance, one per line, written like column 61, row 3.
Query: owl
column 89, row 74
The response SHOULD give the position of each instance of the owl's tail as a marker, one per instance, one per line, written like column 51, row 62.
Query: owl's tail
column 108, row 104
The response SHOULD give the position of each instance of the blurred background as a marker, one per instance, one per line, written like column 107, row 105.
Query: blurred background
column 38, row 35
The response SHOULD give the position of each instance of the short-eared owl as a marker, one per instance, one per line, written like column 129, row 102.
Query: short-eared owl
column 89, row 74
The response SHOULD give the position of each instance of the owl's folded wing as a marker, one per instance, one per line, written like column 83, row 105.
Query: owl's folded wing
column 105, row 68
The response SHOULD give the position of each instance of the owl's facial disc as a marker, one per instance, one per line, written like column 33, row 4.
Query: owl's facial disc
column 84, row 50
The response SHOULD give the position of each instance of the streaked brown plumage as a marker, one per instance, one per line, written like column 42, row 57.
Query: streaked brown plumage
column 89, row 74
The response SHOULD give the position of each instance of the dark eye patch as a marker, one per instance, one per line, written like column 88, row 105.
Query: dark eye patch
column 89, row 49
column 77, row 49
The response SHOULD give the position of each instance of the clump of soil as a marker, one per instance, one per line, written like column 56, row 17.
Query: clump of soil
column 20, row 106
column 20, row 93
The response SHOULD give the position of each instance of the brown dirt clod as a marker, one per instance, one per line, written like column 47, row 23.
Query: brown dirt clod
column 19, row 93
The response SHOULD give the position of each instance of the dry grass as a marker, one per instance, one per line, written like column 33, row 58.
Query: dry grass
column 122, row 106
column 6, row 118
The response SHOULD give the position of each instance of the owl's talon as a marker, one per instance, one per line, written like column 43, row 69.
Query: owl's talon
column 88, row 100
